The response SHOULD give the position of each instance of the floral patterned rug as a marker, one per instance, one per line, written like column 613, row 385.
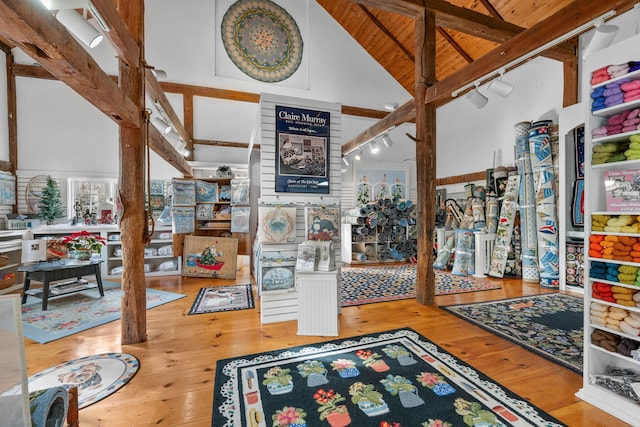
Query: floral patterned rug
column 366, row 285
column 550, row 325
column 77, row 312
column 397, row 378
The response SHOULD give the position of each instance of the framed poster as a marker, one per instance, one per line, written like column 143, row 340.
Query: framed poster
column 302, row 150
column 210, row 256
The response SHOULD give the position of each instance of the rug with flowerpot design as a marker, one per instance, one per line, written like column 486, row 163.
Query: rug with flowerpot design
column 396, row 378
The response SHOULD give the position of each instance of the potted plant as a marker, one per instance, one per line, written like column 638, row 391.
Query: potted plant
column 368, row 399
column 399, row 353
column 473, row 414
column 436, row 383
column 278, row 380
column 314, row 371
column 372, row 360
column 397, row 385
column 346, row 368
column 82, row 245
column 336, row 415
column 289, row 417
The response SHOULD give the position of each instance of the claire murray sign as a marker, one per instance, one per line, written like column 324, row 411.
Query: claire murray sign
column 302, row 150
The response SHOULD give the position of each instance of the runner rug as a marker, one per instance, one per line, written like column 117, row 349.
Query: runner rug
column 550, row 325
column 365, row 285
column 223, row 298
column 77, row 312
column 394, row 378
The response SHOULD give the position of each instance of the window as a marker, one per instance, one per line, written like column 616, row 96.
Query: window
column 87, row 196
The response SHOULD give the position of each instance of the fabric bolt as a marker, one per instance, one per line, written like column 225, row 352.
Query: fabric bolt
column 598, row 92
column 631, row 122
column 620, row 73
column 627, row 86
column 612, row 91
column 630, row 128
column 599, row 79
column 617, row 67
column 631, row 98
column 614, row 100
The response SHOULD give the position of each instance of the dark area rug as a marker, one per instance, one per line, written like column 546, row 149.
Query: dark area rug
column 366, row 285
column 223, row 298
column 550, row 325
column 389, row 378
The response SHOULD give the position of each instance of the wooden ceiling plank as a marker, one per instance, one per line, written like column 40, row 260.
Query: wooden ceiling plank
column 454, row 45
column 492, row 10
column 558, row 24
column 32, row 28
column 402, row 7
column 120, row 37
column 386, row 32
column 155, row 92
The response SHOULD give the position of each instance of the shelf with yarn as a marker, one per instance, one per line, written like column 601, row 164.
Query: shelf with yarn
column 597, row 388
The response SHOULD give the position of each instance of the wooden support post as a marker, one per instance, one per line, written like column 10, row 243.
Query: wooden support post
column 425, row 25
column 133, row 224
column 570, row 72
column 12, row 121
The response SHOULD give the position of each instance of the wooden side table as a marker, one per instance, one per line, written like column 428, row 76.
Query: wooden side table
column 47, row 272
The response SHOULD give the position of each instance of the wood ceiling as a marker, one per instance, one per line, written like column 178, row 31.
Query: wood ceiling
column 466, row 31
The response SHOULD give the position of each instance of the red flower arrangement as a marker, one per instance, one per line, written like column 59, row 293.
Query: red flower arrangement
column 83, row 240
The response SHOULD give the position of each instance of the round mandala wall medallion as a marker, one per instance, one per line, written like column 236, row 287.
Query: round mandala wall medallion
column 262, row 39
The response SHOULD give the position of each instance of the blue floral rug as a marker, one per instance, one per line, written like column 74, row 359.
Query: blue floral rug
column 550, row 325
column 77, row 312
column 396, row 378
column 366, row 285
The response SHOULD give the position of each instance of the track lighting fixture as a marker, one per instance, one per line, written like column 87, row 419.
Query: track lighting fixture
column 373, row 147
column 386, row 140
column 500, row 87
column 476, row 98
column 602, row 37
column 79, row 27
column 163, row 126
column 161, row 75
column 357, row 156
column 390, row 106
column 345, row 161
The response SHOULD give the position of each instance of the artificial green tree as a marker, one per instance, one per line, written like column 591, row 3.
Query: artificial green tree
column 50, row 204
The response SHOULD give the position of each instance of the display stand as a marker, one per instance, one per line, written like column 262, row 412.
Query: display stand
column 317, row 303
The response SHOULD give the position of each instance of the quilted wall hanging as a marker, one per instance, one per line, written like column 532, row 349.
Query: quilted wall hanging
column 262, row 39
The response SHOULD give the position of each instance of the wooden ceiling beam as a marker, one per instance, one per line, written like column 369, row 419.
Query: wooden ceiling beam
column 405, row 113
column 155, row 92
column 454, row 45
column 465, row 21
column 492, row 10
column 36, row 31
column 118, row 34
column 159, row 144
column 224, row 144
column 557, row 25
column 386, row 32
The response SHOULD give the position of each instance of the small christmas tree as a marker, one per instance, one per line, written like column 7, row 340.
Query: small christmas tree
column 50, row 203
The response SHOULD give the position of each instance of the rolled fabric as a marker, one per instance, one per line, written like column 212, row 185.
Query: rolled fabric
column 464, row 252
column 444, row 254
column 49, row 407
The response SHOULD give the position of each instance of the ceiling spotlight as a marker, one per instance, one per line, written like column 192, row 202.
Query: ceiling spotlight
column 345, row 161
column 386, row 140
column 162, row 125
column 476, row 98
column 161, row 75
column 602, row 37
column 390, row 106
column 373, row 147
column 173, row 135
column 357, row 156
column 79, row 27
column 500, row 87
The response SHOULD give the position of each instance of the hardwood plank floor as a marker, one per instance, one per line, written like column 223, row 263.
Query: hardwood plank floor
column 174, row 386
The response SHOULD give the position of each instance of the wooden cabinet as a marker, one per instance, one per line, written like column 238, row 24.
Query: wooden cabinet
column 599, row 387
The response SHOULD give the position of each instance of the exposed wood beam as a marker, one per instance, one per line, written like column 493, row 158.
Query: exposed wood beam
column 210, row 92
column 5, row 45
column 155, row 92
column 386, row 32
column 570, row 73
column 12, row 121
column 187, row 113
column 425, row 72
column 454, row 45
column 466, row 21
column 159, row 144
column 32, row 28
column 120, row 37
column 224, row 144
column 406, row 112
column 402, row 7
column 560, row 23
column 459, row 179
column 492, row 10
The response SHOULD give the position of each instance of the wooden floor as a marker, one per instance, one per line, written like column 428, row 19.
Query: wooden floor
column 174, row 386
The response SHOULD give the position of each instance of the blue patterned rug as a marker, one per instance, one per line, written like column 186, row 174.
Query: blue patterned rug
column 550, row 325
column 394, row 378
column 366, row 285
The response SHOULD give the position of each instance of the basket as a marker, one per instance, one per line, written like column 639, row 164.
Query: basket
column 4, row 260
column 7, row 283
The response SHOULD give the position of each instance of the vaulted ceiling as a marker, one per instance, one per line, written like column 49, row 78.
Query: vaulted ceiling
column 466, row 30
